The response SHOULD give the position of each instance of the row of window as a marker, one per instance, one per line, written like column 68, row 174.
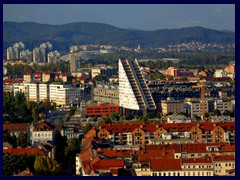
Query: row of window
column 42, row 134
column 208, row 173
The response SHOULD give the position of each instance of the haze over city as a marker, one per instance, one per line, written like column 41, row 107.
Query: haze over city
column 137, row 16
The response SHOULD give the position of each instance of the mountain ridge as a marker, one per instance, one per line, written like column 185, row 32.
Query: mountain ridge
column 101, row 33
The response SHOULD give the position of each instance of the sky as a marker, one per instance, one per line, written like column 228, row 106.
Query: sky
column 136, row 16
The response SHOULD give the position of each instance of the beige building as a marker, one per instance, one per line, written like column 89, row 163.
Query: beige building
column 106, row 94
column 224, row 165
column 223, row 105
column 195, row 107
column 174, row 106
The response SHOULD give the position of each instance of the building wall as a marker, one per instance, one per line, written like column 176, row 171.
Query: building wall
column 195, row 108
column 32, row 91
column 106, row 95
column 172, row 106
column 196, row 134
column 101, row 110
column 221, row 167
column 42, row 136
column 230, row 69
column 183, row 172
column 43, row 92
column 222, row 106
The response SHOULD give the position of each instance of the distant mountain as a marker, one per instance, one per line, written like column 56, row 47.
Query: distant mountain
column 63, row 36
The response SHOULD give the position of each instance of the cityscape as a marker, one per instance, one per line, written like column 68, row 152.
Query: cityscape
column 109, row 108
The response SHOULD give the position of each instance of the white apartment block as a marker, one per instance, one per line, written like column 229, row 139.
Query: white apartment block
column 19, row 88
column 53, row 91
column 68, row 96
column 223, row 105
column 60, row 94
column 43, row 92
column 195, row 107
column 32, row 91
column 64, row 94
column 53, row 57
column 27, row 55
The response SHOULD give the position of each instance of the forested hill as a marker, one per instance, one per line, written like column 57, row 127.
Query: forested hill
column 62, row 36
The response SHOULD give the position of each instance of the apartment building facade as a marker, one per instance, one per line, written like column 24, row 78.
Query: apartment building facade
column 170, row 105
column 134, row 93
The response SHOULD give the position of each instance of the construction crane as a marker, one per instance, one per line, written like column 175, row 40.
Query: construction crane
column 202, row 88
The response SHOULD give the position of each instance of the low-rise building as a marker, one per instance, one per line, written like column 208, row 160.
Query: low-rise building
column 173, row 106
column 106, row 94
column 223, row 105
column 101, row 109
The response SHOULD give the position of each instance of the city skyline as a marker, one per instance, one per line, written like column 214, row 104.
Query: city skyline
column 136, row 16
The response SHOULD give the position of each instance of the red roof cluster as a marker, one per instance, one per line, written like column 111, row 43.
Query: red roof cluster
column 23, row 150
column 16, row 126
column 11, row 81
column 174, row 127
column 224, row 158
column 165, row 164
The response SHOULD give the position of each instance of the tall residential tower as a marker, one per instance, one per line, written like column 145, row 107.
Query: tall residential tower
column 133, row 90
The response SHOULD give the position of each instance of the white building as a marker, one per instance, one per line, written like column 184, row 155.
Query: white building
column 218, row 73
column 32, row 91
column 133, row 91
column 43, row 92
column 64, row 94
column 27, row 55
column 223, row 105
column 42, row 132
column 20, row 88
column 53, row 57
column 195, row 107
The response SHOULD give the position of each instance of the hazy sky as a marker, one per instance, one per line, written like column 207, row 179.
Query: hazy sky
column 143, row 17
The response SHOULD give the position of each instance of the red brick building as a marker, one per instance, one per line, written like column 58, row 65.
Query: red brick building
column 101, row 109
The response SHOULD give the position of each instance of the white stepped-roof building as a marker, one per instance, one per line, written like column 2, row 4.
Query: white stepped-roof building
column 133, row 90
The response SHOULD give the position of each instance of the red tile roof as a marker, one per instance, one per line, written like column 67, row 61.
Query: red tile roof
column 207, row 160
column 115, row 153
column 224, row 158
column 175, row 147
column 107, row 164
column 23, row 150
column 64, row 74
column 165, row 164
column 16, row 126
column 146, row 155
column 174, row 127
column 43, row 127
column 11, row 81
column 202, row 147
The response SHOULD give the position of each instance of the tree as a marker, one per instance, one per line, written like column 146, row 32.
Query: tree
column 105, row 120
column 226, row 113
column 60, row 142
column 73, row 148
column 43, row 165
column 8, row 138
column 22, row 140
column 114, row 116
column 183, row 78
column 87, row 127
column 217, row 112
column 14, row 163
column 101, row 77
